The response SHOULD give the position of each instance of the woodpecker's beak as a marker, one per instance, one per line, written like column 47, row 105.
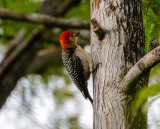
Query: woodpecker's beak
column 76, row 34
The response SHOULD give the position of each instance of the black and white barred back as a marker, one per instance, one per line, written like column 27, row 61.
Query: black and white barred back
column 75, row 69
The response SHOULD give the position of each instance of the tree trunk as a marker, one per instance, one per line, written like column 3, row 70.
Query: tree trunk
column 117, row 42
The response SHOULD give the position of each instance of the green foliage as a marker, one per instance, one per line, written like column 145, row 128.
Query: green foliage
column 74, row 123
column 151, row 91
column 10, row 28
column 155, row 73
column 80, row 12
column 147, row 92
column 62, row 94
column 151, row 17
column 21, row 5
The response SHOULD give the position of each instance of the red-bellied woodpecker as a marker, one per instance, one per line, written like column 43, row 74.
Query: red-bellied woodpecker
column 76, row 61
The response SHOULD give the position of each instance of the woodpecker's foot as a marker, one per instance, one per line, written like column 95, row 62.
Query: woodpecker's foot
column 95, row 69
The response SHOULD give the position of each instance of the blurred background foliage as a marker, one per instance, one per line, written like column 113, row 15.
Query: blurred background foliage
column 151, row 18
column 48, row 99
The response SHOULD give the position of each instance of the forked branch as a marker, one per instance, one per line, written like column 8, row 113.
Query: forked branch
column 135, row 73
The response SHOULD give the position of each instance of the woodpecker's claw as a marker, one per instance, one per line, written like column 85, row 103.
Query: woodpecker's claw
column 95, row 69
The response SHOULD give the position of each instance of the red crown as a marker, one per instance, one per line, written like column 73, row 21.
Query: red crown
column 63, row 39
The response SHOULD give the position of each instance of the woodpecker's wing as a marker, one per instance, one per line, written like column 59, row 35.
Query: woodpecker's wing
column 75, row 69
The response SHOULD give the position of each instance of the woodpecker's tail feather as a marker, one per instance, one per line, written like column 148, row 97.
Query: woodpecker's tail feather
column 87, row 95
column 90, row 99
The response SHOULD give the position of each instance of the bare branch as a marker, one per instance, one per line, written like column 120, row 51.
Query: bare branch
column 149, row 5
column 45, row 58
column 13, row 54
column 18, row 38
column 57, row 7
column 8, row 37
column 154, row 43
column 43, row 19
column 143, row 65
column 14, row 65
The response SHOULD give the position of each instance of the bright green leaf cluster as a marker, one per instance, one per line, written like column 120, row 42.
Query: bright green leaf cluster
column 80, row 12
column 26, row 6
column 147, row 92
column 151, row 17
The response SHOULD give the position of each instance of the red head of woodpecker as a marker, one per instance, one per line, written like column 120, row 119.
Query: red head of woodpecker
column 68, row 39
column 76, row 61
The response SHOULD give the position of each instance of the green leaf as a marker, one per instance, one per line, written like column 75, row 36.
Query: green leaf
column 80, row 12
column 62, row 94
column 145, row 93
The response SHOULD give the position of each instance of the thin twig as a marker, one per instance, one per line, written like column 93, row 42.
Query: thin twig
column 149, row 5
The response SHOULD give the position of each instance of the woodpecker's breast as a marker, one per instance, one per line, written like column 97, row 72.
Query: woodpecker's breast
column 71, row 55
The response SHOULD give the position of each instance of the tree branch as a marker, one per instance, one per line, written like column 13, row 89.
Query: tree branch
column 14, row 66
column 18, row 38
column 154, row 43
column 57, row 7
column 43, row 19
column 143, row 65
column 45, row 58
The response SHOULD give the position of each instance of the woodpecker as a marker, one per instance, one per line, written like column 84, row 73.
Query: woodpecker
column 76, row 62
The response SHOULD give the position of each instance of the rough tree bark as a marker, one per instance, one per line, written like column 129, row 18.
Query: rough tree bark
column 117, row 42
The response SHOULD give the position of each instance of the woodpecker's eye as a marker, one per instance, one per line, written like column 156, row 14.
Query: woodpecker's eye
column 71, row 35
